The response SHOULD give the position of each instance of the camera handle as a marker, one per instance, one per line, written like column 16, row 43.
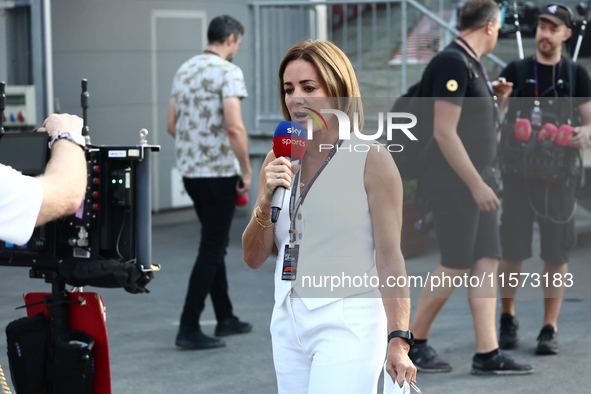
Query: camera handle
column 84, row 104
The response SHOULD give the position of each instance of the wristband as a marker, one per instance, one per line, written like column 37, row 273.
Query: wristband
column 74, row 137
column 404, row 335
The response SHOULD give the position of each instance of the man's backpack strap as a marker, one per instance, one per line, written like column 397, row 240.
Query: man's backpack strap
column 471, row 72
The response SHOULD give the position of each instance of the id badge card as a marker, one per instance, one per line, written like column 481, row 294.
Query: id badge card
column 290, row 262
column 536, row 117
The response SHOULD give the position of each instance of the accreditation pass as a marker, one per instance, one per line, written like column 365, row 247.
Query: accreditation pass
column 290, row 262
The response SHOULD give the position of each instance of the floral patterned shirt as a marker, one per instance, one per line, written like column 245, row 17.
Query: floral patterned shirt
column 202, row 146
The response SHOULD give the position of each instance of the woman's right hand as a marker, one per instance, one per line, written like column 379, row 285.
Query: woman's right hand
column 277, row 173
column 257, row 243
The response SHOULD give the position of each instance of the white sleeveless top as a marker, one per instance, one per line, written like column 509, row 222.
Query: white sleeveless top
column 334, row 231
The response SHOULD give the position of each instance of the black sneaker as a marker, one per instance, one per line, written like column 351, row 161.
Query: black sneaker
column 547, row 341
column 196, row 340
column 232, row 326
column 425, row 358
column 508, row 338
column 499, row 364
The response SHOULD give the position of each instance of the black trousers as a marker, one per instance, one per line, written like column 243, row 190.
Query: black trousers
column 215, row 201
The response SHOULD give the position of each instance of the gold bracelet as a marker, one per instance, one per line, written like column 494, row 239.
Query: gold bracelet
column 260, row 222
column 265, row 227
column 257, row 217
column 263, row 213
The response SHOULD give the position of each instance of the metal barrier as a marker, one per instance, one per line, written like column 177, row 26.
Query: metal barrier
column 279, row 24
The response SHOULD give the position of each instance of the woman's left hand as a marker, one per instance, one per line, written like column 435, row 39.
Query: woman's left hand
column 398, row 365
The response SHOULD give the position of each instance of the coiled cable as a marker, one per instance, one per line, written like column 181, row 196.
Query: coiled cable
column 5, row 387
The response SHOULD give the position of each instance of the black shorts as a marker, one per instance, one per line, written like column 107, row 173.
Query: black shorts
column 465, row 233
column 555, row 201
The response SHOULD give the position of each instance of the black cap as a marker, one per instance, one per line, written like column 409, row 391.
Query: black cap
column 557, row 13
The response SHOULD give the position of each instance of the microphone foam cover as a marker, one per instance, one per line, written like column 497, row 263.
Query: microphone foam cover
column 563, row 134
column 547, row 131
column 290, row 140
column 522, row 129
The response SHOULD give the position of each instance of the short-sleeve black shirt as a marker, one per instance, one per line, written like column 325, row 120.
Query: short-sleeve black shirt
column 521, row 73
column 448, row 77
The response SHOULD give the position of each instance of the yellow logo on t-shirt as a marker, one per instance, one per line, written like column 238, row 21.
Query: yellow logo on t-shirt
column 452, row 85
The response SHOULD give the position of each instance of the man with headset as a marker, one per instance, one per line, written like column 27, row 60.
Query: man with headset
column 556, row 86
column 27, row 202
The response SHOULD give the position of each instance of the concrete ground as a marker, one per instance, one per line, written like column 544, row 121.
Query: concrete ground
column 142, row 328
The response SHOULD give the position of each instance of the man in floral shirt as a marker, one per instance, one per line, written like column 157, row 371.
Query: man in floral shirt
column 212, row 156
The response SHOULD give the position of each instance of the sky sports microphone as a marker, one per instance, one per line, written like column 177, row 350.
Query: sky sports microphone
column 289, row 141
column 548, row 131
column 523, row 129
column 563, row 134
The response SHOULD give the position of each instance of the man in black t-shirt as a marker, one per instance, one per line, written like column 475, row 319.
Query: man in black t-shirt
column 458, row 184
column 549, row 80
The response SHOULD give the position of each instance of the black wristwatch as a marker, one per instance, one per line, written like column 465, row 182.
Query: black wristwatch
column 403, row 334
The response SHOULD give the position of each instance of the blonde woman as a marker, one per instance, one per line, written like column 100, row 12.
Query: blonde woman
column 347, row 214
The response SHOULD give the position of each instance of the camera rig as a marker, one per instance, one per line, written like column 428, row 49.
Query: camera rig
column 107, row 243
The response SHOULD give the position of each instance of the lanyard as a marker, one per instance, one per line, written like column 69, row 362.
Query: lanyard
column 497, row 113
column 295, row 205
column 488, row 83
column 211, row 52
column 536, row 77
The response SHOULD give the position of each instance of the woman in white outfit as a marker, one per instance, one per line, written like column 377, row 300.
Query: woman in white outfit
column 327, row 339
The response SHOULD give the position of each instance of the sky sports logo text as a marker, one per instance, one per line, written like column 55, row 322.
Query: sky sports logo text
column 345, row 129
column 294, row 130
column 294, row 141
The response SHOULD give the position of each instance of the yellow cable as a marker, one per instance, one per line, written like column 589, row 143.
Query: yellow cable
column 5, row 387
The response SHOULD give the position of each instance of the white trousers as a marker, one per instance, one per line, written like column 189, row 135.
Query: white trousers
column 337, row 348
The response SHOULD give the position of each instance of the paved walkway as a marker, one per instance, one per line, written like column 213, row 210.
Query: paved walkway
column 142, row 328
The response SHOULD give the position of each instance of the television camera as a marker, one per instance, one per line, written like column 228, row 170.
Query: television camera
column 106, row 243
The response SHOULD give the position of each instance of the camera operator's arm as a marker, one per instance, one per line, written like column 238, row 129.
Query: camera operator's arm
column 64, row 180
